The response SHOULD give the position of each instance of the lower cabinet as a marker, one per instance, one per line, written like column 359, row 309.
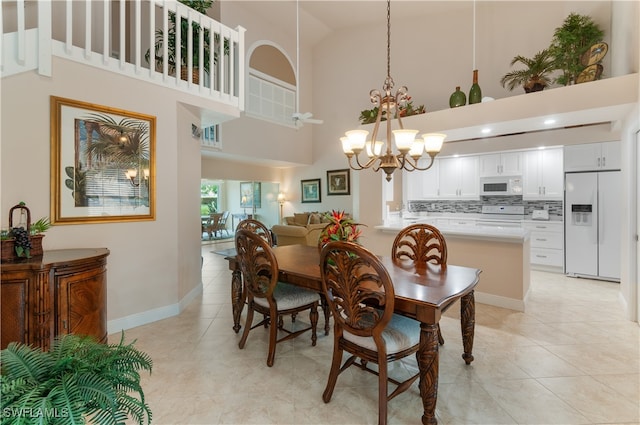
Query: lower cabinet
column 63, row 291
column 547, row 244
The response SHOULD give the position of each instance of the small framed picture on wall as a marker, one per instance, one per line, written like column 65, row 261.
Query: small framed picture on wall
column 310, row 190
column 338, row 182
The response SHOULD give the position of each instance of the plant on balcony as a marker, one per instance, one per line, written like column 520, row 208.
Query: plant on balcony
column 77, row 381
column 178, row 56
column 570, row 41
column 368, row 116
column 536, row 74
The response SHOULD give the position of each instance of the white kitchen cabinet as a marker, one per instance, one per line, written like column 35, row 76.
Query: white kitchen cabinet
column 543, row 174
column 500, row 164
column 421, row 184
column 547, row 244
column 592, row 157
column 458, row 178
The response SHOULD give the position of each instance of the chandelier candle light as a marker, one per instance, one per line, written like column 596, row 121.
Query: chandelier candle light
column 410, row 150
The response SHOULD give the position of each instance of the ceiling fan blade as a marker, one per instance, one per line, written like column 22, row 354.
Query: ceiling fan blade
column 314, row 121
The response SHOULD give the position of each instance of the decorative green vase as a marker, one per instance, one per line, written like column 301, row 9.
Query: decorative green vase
column 458, row 98
column 475, row 94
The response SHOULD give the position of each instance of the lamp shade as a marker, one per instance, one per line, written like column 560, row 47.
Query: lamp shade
column 357, row 139
column 417, row 148
column 433, row 142
column 374, row 148
column 404, row 139
column 346, row 145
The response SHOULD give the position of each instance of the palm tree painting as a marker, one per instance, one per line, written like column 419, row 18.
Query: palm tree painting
column 106, row 150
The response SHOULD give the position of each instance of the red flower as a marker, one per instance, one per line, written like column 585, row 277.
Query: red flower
column 341, row 228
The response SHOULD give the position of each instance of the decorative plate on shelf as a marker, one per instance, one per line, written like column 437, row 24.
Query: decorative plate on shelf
column 590, row 73
column 595, row 54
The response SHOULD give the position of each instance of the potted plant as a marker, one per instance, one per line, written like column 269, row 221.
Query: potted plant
column 570, row 41
column 536, row 75
column 179, row 58
column 77, row 381
column 368, row 116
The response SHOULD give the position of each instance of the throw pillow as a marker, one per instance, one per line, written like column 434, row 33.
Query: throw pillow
column 315, row 218
column 290, row 221
column 301, row 219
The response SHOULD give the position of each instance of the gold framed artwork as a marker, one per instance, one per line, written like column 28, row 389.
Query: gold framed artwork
column 102, row 163
column 338, row 182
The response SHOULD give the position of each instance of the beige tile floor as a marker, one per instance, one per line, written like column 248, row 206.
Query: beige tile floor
column 571, row 358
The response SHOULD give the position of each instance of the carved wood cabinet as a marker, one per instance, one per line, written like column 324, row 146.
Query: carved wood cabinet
column 62, row 291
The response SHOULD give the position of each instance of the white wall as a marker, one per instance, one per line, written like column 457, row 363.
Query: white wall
column 153, row 265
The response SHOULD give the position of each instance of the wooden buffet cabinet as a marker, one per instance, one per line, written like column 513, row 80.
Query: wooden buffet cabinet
column 62, row 291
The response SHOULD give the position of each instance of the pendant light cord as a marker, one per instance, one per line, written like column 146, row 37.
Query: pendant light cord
column 474, row 35
column 297, row 56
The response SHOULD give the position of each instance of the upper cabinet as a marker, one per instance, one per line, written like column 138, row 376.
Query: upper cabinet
column 422, row 184
column 458, row 178
column 592, row 157
column 500, row 164
column 543, row 174
column 448, row 178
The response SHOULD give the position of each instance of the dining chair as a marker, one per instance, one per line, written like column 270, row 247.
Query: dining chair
column 223, row 222
column 269, row 297
column 257, row 227
column 419, row 244
column 212, row 225
column 361, row 297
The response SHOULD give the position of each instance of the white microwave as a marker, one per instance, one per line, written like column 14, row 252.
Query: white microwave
column 501, row 186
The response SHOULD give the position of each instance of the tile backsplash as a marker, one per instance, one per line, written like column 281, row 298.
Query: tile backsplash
column 454, row 206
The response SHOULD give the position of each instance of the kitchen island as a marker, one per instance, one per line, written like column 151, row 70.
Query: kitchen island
column 502, row 253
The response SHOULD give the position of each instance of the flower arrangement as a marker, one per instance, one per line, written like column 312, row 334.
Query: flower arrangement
column 368, row 116
column 340, row 228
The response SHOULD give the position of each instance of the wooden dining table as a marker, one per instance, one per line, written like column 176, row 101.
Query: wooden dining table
column 421, row 293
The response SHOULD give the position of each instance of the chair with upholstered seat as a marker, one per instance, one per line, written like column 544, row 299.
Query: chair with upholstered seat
column 257, row 227
column 419, row 244
column 269, row 297
column 361, row 297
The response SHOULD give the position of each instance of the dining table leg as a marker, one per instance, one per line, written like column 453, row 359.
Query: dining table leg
column 237, row 298
column 468, row 324
column 428, row 363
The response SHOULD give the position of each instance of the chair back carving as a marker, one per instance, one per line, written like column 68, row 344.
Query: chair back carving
column 258, row 264
column 419, row 244
column 257, row 227
column 358, row 289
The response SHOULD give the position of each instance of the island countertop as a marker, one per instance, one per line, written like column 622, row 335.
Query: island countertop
column 478, row 232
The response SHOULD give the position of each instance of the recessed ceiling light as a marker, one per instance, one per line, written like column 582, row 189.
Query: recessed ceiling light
column 549, row 121
column 486, row 130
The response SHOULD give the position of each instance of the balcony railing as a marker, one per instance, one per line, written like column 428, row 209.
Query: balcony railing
column 159, row 41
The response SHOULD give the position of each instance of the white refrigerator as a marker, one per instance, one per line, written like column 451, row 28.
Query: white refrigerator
column 593, row 224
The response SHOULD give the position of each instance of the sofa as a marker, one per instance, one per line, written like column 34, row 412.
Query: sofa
column 301, row 228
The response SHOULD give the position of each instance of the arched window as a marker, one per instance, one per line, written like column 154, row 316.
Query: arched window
column 271, row 93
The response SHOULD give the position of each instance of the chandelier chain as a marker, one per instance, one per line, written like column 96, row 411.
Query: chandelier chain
column 388, row 105
column 389, row 39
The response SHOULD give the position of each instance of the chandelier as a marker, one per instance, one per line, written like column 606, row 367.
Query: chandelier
column 410, row 149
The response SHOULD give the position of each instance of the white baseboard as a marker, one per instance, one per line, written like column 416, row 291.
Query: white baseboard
column 499, row 301
column 149, row 316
